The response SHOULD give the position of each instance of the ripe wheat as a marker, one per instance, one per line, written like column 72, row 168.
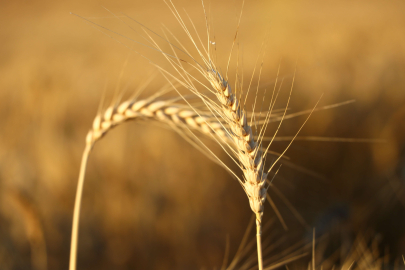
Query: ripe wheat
column 176, row 115
column 227, row 122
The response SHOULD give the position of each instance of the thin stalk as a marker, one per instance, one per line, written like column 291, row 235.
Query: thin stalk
column 76, row 211
column 259, row 242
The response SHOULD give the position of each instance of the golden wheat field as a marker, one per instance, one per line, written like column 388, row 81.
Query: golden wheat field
column 153, row 201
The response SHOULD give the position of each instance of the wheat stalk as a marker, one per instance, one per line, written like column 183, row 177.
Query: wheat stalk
column 249, row 151
column 176, row 115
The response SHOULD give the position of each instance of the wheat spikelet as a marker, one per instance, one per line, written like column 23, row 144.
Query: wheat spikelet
column 248, row 151
column 161, row 110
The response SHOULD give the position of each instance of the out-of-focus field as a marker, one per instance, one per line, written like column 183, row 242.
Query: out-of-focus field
column 152, row 201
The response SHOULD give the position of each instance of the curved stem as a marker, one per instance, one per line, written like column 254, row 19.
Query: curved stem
column 259, row 242
column 76, row 212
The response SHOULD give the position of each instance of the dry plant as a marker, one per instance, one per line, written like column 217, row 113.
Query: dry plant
column 364, row 254
column 246, row 148
column 225, row 119
column 21, row 206
column 168, row 111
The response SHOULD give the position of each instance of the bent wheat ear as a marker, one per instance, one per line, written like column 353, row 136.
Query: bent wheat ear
column 161, row 110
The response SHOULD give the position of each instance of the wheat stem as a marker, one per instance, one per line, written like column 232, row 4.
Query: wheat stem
column 76, row 211
column 259, row 242
column 248, row 150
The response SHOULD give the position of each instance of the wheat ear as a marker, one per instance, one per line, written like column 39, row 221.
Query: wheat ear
column 248, row 150
column 165, row 111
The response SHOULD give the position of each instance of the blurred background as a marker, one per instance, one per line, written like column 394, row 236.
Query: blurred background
column 152, row 201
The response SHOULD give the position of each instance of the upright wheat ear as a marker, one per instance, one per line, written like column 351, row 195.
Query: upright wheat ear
column 165, row 111
column 249, row 151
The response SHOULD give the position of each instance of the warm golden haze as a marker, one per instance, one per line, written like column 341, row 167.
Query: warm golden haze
column 55, row 68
